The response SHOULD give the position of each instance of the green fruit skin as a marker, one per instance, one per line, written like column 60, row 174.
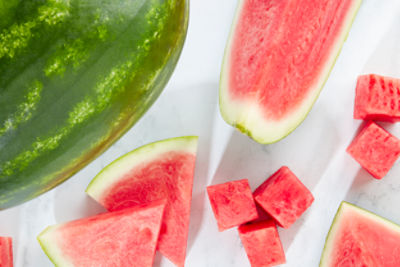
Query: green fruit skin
column 75, row 75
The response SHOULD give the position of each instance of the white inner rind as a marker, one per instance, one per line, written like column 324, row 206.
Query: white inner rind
column 248, row 116
column 116, row 170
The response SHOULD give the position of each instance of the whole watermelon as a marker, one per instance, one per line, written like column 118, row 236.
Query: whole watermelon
column 75, row 75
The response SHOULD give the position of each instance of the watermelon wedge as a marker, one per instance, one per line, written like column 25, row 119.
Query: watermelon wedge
column 6, row 253
column 360, row 238
column 126, row 238
column 159, row 170
column 277, row 59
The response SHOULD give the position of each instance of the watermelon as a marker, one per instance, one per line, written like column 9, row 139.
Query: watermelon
column 155, row 171
column 375, row 149
column 125, row 238
column 262, row 243
column 277, row 59
column 377, row 98
column 76, row 75
column 232, row 203
column 6, row 253
column 360, row 238
column 283, row 197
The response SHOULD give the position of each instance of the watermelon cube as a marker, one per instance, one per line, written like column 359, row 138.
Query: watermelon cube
column 262, row 244
column 375, row 149
column 377, row 98
column 283, row 197
column 6, row 254
column 232, row 203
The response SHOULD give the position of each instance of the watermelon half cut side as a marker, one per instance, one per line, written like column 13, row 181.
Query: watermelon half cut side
column 360, row 238
column 155, row 171
column 6, row 253
column 126, row 238
column 277, row 59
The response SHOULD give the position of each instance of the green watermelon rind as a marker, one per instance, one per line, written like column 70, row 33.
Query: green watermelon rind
column 48, row 247
column 109, row 175
column 241, row 124
column 332, row 231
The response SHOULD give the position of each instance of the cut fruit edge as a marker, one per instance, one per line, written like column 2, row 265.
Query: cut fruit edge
column 248, row 117
column 116, row 169
column 344, row 206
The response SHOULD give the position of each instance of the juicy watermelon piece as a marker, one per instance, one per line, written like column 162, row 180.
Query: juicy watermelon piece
column 377, row 98
column 284, row 197
column 262, row 243
column 375, row 149
column 6, row 253
column 159, row 170
column 360, row 238
column 232, row 203
column 277, row 60
column 126, row 238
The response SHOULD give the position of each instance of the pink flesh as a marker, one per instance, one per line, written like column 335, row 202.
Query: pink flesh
column 364, row 242
column 375, row 149
column 126, row 238
column 283, row 197
column 170, row 176
column 279, row 51
column 262, row 244
column 6, row 254
column 232, row 203
column 377, row 98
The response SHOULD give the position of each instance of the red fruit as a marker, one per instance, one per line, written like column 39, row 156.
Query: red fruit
column 6, row 254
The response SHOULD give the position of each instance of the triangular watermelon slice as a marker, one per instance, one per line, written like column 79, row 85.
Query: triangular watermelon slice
column 154, row 171
column 126, row 238
column 6, row 254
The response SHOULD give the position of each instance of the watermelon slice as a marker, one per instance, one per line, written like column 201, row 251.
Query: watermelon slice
column 6, row 253
column 377, row 98
column 375, row 149
column 284, row 197
column 159, row 170
column 262, row 244
column 360, row 238
column 232, row 203
column 277, row 59
column 126, row 238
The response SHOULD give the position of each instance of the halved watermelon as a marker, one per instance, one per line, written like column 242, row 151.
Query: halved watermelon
column 126, row 238
column 277, row 59
column 6, row 253
column 360, row 238
column 159, row 170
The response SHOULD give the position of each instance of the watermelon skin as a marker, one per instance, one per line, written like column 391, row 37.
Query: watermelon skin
column 262, row 243
column 232, row 203
column 6, row 253
column 375, row 149
column 377, row 98
column 75, row 76
column 125, row 238
column 283, row 197
column 277, row 59
column 360, row 238
column 163, row 169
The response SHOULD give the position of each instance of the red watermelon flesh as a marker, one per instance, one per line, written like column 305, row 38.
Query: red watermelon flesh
column 6, row 253
column 232, row 203
column 375, row 149
column 262, row 243
column 126, row 238
column 164, row 169
column 377, row 98
column 283, row 197
column 359, row 238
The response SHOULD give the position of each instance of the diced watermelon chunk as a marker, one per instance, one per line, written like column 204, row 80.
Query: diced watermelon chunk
column 377, row 98
column 284, row 197
column 262, row 244
column 375, row 149
column 232, row 203
column 6, row 254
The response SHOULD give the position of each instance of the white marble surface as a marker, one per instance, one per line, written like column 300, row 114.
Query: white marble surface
column 315, row 151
